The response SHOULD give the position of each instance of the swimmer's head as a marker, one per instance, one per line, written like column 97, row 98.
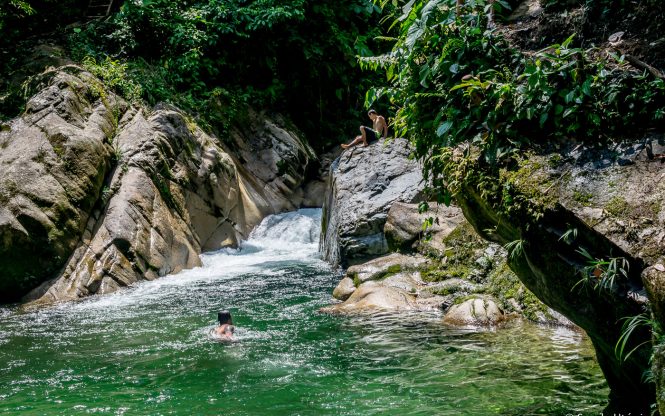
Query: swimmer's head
column 224, row 317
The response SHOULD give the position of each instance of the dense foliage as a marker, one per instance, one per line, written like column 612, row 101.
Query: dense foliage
column 214, row 57
column 456, row 81
column 14, row 7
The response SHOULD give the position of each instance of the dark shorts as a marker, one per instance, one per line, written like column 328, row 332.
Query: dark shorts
column 371, row 134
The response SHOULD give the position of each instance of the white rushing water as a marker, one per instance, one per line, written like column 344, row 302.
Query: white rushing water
column 280, row 239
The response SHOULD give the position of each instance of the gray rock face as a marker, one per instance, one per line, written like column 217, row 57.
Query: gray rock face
column 97, row 195
column 53, row 161
column 363, row 184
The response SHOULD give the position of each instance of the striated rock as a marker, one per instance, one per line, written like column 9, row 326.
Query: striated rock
column 53, row 161
column 97, row 195
column 404, row 226
column 474, row 312
column 273, row 162
column 363, row 184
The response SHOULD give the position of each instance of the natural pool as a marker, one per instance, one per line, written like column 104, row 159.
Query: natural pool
column 148, row 349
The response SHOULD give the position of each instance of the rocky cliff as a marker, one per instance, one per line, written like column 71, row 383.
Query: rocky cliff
column 363, row 183
column 97, row 194
column 446, row 268
column 586, row 227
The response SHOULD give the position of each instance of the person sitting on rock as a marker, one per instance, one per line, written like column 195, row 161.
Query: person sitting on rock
column 369, row 134
column 225, row 329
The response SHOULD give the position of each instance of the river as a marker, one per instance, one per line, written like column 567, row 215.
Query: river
column 149, row 350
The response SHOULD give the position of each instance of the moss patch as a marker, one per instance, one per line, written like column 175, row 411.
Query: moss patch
column 582, row 197
column 356, row 281
column 503, row 284
column 617, row 206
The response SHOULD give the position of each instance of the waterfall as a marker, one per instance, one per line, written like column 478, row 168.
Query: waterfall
column 328, row 243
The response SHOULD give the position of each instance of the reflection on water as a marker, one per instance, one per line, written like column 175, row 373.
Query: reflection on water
column 148, row 349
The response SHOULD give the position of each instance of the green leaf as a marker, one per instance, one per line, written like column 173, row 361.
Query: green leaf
column 444, row 128
column 543, row 119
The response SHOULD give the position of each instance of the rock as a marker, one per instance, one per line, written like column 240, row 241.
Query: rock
column 53, row 162
column 404, row 226
column 611, row 210
column 409, row 281
column 273, row 159
column 344, row 289
column 474, row 312
column 380, row 296
column 391, row 282
column 363, row 184
column 374, row 296
column 453, row 285
column 385, row 266
column 528, row 9
column 314, row 193
column 96, row 195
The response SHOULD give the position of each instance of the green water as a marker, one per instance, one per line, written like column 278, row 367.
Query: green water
column 149, row 350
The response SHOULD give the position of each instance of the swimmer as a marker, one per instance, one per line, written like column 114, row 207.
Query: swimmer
column 225, row 328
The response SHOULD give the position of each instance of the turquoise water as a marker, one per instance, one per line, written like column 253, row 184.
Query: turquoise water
column 149, row 349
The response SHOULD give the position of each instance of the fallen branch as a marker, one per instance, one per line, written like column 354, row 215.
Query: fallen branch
column 641, row 64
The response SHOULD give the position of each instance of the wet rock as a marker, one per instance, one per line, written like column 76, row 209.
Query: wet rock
column 474, row 312
column 375, row 296
column 344, row 289
column 96, row 195
column 363, row 185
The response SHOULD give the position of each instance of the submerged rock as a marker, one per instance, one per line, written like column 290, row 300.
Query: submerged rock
column 97, row 195
column 363, row 184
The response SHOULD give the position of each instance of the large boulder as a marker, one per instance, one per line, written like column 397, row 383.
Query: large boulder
column 391, row 283
column 53, row 163
column 97, row 194
column 364, row 183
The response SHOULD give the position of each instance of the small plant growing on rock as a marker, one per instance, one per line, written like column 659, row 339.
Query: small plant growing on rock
column 106, row 195
column 602, row 274
column 515, row 248
column 630, row 325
